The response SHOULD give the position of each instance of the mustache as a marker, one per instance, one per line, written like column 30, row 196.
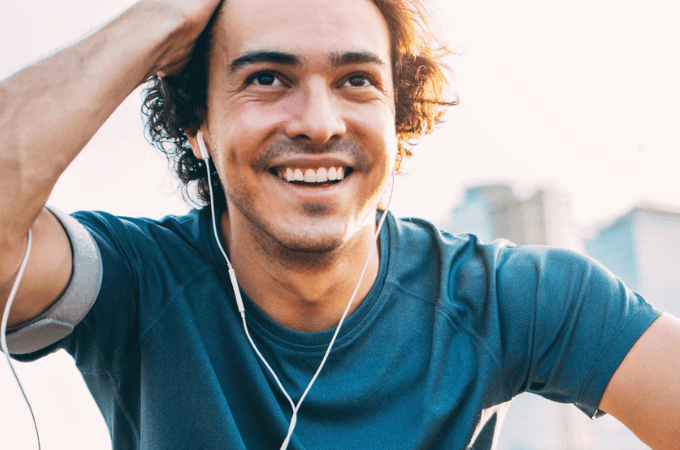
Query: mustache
column 290, row 148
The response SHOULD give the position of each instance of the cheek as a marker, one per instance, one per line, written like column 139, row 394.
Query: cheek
column 244, row 129
column 379, row 133
column 390, row 135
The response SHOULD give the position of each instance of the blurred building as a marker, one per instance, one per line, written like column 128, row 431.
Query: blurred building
column 545, row 217
column 642, row 247
column 494, row 211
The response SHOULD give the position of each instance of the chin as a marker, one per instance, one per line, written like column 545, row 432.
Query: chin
column 312, row 240
column 298, row 232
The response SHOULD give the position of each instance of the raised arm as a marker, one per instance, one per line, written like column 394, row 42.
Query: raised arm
column 50, row 110
column 644, row 393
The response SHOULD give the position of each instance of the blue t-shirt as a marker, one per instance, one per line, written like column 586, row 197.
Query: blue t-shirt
column 450, row 332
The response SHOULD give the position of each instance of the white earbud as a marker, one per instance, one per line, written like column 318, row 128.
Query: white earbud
column 202, row 147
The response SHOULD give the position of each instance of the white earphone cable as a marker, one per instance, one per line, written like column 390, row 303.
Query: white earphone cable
column 239, row 301
column 3, row 328
column 342, row 319
column 234, row 283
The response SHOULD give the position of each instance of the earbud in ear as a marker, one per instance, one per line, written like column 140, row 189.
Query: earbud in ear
column 201, row 146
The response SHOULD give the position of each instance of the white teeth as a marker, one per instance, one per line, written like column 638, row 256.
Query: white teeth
column 310, row 176
column 320, row 175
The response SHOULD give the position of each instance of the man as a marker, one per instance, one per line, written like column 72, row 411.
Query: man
column 443, row 331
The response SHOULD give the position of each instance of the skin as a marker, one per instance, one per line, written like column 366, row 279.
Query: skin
column 297, row 251
column 50, row 110
column 327, row 102
column 644, row 392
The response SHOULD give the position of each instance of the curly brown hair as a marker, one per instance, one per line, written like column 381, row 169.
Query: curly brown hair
column 175, row 104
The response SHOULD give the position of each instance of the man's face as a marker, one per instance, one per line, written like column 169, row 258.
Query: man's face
column 301, row 89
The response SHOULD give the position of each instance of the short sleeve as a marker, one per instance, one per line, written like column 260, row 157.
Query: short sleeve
column 62, row 317
column 110, row 324
column 566, row 324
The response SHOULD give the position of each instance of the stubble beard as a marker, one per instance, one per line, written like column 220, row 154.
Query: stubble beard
column 319, row 242
column 309, row 247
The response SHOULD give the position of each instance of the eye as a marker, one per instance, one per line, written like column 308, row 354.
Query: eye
column 265, row 79
column 358, row 81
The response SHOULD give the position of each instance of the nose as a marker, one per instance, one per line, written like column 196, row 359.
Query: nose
column 315, row 115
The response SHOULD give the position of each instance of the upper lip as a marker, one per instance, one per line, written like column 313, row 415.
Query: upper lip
column 311, row 162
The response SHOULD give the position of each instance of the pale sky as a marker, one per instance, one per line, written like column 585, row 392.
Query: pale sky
column 580, row 94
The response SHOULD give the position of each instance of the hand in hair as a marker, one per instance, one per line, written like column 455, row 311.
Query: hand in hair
column 194, row 16
column 50, row 110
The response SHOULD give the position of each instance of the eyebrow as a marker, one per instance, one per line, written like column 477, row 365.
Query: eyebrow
column 338, row 60
column 289, row 59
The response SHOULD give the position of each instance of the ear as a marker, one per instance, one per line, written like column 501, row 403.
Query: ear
column 192, row 137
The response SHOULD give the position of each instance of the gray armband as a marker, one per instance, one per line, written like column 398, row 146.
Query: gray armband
column 79, row 296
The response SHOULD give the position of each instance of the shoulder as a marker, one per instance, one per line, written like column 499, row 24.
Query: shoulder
column 142, row 254
column 126, row 233
column 100, row 221
column 464, row 259
column 461, row 273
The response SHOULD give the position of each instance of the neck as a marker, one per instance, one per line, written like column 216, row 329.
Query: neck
column 303, row 291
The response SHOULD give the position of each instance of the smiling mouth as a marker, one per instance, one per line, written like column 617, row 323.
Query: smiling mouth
column 322, row 176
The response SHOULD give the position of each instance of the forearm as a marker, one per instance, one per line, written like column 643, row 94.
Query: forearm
column 49, row 111
column 644, row 393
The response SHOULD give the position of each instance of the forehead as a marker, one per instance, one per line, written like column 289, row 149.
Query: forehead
column 308, row 28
